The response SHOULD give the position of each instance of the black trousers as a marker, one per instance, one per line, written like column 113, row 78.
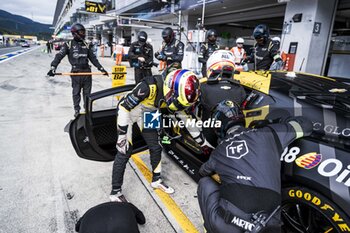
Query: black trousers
column 211, row 204
column 204, row 69
column 140, row 74
column 120, row 161
column 80, row 83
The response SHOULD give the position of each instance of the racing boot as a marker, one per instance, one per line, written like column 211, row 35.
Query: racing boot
column 117, row 196
column 159, row 184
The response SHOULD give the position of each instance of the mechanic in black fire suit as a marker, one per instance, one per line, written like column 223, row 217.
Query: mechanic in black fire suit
column 111, row 217
column 172, row 50
column 220, row 85
column 79, row 53
column 178, row 91
column 141, row 57
column 248, row 163
column 208, row 49
column 265, row 53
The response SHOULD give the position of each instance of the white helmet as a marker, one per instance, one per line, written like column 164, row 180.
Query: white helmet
column 221, row 63
column 277, row 39
column 240, row 40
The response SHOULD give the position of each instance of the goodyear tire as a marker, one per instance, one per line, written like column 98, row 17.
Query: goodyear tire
column 304, row 210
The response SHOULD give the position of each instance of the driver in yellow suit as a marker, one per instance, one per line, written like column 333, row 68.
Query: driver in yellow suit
column 179, row 91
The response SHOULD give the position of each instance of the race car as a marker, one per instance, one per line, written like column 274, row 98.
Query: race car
column 315, row 170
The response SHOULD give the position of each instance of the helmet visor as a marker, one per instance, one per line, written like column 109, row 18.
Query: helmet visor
column 167, row 39
column 80, row 34
column 192, row 90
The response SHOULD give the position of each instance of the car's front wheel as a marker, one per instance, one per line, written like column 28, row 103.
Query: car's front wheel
column 306, row 211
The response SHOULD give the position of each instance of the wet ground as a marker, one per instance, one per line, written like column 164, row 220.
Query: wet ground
column 44, row 185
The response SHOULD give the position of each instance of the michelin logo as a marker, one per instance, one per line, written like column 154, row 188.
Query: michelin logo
column 152, row 120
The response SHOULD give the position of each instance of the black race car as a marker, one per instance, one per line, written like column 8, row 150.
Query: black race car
column 316, row 169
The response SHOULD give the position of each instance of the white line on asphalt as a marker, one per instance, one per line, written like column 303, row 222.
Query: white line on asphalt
column 17, row 54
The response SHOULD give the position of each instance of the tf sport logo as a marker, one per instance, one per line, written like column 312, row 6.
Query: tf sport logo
column 152, row 120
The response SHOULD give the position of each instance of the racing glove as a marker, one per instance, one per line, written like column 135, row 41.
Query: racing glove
column 277, row 65
column 103, row 71
column 52, row 71
column 206, row 150
column 135, row 64
column 161, row 56
column 122, row 144
column 141, row 59
column 206, row 147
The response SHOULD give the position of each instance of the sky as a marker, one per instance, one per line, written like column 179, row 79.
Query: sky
column 41, row 11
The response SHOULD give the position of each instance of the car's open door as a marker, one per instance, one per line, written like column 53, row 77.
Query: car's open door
column 94, row 134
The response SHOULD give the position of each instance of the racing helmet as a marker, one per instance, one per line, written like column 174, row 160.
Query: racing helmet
column 181, row 89
column 78, row 31
column 212, row 35
column 167, row 34
column 230, row 114
column 261, row 31
column 220, row 64
column 142, row 36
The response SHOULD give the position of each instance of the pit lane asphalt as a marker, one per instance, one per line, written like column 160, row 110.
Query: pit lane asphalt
column 4, row 50
column 44, row 185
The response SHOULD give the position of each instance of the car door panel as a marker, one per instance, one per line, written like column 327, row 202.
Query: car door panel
column 94, row 134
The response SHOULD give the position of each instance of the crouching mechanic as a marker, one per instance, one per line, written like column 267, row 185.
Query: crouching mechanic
column 218, row 86
column 248, row 163
column 180, row 90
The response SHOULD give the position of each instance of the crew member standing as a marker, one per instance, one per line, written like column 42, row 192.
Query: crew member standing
column 119, row 50
column 141, row 57
column 266, row 52
column 172, row 51
column 180, row 90
column 79, row 53
column 238, row 51
column 248, row 163
column 48, row 46
column 208, row 49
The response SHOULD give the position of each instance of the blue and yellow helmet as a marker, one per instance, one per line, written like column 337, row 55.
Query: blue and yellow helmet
column 181, row 89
